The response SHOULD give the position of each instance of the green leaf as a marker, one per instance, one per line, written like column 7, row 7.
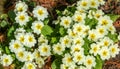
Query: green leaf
column 46, row 21
column 53, row 40
column 32, row 4
column 12, row 15
column 114, row 17
column 56, row 64
column 3, row 16
column 99, row 63
column 3, row 23
column 59, row 13
column 46, row 30
column 10, row 31
column 86, row 46
column 7, row 50
column 62, row 31
column 91, row 22
column 114, row 37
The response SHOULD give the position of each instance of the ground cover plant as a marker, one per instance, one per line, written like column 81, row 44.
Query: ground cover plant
column 81, row 36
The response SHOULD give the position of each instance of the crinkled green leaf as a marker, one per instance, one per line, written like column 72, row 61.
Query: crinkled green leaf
column 46, row 21
column 114, row 17
column 53, row 39
column 12, row 15
column 59, row 13
column 91, row 22
column 62, row 31
column 3, row 16
column 3, row 23
column 56, row 64
column 46, row 30
column 10, row 31
column 99, row 63
column 86, row 46
column 7, row 50
column 114, row 36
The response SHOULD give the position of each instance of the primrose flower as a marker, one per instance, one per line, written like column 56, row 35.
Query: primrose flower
column 114, row 50
column 29, row 65
column 44, row 50
column 40, row 12
column 66, row 21
column 15, row 46
column 89, row 62
column 21, row 7
column 78, row 57
column 104, row 53
column 58, row 48
column 68, row 60
column 30, row 40
column 6, row 60
column 83, row 4
column 37, row 26
column 94, row 49
column 22, row 18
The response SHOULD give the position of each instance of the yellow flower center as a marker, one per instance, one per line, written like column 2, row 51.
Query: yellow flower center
column 40, row 12
column 76, row 49
column 20, row 9
column 66, row 22
column 30, row 66
column 84, row 3
column 97, row 15
column 101, row 31
column 45, row 49
column 16, row 46
column 92, row 36
column 104, row 22
column 22, row 17
column 66, row 41
column 79, row 29
column 104, row 53
column 95, row 49
column 69, row 59
column 77, row 42
column 113, row 50
column 79, row 57
column 30, row 39
column 22, row 39
column 93, row 3
column 21, row 54
column 89, row 62
column 38, row 26
column 58, row 48
column 6, row 60
column 79, row 18
column 37, row 54
column 106, row 43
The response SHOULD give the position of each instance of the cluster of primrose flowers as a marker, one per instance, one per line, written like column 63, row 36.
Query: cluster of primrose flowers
column 79, row 34
column 79, row 29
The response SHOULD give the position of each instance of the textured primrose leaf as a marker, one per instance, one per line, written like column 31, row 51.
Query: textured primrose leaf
column 62, row 31
column 56, row 64
column 59, row 13
column 113, row 37
column 46, row 30
column 91, row 22
column 114, row 17
column 10, row 31
column 99, row 63
column 46, row 21
column 3, row 23
column 86, row 46
column 12, row 15
column 7, row 50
